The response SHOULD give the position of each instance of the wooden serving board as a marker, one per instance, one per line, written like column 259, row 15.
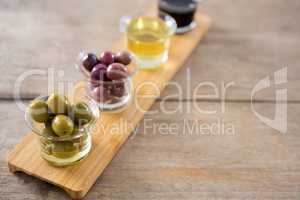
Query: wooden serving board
column 76, row 180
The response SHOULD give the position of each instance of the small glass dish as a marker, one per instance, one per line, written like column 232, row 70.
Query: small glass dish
column 65, row 150
column 183, row 11
column 148, row 37
column 110, row 95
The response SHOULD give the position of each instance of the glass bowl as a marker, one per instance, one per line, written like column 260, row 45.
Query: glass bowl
column 182, row 11
column 110, row 95
column 148, row 37
column 65, row 150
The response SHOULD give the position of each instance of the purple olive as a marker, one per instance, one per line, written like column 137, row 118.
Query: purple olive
column 107, row 58
column 99, row 73
column 118, row 89
column 116, row 71
column 101, row 94
column 119, row 84
column 123, row 57
column 108, row 84
column 94, row 84
column 90, row 61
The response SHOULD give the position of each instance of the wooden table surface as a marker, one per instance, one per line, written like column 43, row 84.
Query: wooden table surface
column 248, row 41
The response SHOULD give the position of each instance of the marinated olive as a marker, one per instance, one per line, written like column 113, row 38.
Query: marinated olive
column 90, row 61
column 48, row 124
column 118, row 89
column 62, row 125
column 64, row 149
column 101, row 93
column 38, row 111
column 107, row 58
column 82, row 113
column 58, row 104
column 48, row 132
column 99, row 73
column 116, row 71
column 123, row 57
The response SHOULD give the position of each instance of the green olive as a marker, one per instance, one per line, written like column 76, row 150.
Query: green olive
column 48, row 124
column 82, row 113
column 38, row 111
column 48, row 132
column 62, row 125
column 48, row 127
column 64, row 149
column 58, row 104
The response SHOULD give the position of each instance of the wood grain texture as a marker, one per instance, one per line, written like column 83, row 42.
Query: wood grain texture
column 77, row 180
column 256, row 162
column 249, row 40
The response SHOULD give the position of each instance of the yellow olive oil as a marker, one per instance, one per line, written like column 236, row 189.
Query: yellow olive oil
column 148, row 40
column 61, row 153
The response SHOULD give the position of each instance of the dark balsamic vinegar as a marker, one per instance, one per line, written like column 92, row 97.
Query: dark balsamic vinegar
column 182, row 11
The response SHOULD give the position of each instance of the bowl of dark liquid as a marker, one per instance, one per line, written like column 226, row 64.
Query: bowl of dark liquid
column 183, row 11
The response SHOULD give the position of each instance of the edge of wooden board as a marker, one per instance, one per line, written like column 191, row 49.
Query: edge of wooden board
column 78, row 184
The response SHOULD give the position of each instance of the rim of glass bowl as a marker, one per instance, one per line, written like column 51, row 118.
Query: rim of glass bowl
column 33, row 125
column 133, row 68
column 165, row 17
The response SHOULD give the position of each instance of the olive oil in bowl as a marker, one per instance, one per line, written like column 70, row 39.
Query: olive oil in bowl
column 148, row 38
